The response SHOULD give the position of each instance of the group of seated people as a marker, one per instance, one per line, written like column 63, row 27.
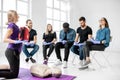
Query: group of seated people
column 80, row 42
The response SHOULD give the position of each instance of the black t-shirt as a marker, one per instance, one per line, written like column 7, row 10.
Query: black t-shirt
column 32, row 34
column 49, row 37
column 83, row 33
column 65, row 36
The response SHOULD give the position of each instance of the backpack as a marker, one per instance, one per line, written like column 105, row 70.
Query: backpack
column 23, row 34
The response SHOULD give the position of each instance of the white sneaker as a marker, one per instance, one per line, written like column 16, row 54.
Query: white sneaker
column 65, row 64
column 58, row 62
column 81, row 63
column 86, row 63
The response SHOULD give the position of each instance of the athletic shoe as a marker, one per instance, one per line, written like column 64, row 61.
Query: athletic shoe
column 86, row 63
column 81, row 63
column 33, row 60
column 45, row 62
column 27, row 59
column 58, row 62
column 65, row 64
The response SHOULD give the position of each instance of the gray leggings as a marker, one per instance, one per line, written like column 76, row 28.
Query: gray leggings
column 14, row 61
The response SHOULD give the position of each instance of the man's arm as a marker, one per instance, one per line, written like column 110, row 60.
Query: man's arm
column 35, row 39
column 89, row 36
column 77, row 37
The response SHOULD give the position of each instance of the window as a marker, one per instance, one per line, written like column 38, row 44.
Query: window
column 63, row 16
column 22, row 21
column 4, row 32
column 63, row 6
column 57, row 13
column 0, row 34
column 21, row 6
column 9, row 4
column 0, row 4
column 0, row 27
column 0, row 19
column 57, row 4
column 4, row 20
column 56, row 25
column 49, row 13
column 50, row 3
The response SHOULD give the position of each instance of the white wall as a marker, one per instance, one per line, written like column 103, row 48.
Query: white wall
column 39, row 17
column 93, row 10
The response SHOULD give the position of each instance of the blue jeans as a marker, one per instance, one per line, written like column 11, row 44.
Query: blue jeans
column 30, row 54
column 78, row 50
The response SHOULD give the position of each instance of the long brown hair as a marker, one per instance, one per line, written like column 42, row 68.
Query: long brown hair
column 47, row 31
column 106, row 22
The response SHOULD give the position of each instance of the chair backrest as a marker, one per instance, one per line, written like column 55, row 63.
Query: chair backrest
column 111, row 38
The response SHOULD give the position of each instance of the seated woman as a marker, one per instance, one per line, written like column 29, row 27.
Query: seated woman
column 49, row 39
column 43, row 71
column 101, row 42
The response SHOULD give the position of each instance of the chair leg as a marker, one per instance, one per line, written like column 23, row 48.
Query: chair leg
column 106, row 59
column 73, row 59
column 93, row 56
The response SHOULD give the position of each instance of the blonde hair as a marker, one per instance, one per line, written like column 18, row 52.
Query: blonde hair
column 11, row 14
column 47, row 31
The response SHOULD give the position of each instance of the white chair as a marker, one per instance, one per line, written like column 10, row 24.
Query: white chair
column 94, row 52
column 74, row 57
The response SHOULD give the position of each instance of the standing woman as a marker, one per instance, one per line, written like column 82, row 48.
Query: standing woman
column 101, row 42
column 14, row 47
column 49, row 39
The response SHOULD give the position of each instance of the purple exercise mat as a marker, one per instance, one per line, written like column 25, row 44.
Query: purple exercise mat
column 25, row 74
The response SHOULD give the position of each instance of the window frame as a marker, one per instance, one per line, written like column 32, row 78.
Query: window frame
column 60, row 10
column 2, row 11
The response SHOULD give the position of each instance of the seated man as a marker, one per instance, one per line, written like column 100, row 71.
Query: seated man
column 31, row 43
column 42, row 71
column 84, row 33
column 67, row 36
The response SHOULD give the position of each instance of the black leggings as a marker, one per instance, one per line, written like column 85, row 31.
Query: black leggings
column 14, row 61
column 67, row 47
column 90, row 46
column 45, row 47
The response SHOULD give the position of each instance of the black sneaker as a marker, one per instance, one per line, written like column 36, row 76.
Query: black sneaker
column 27, row 59
column 33, row 60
